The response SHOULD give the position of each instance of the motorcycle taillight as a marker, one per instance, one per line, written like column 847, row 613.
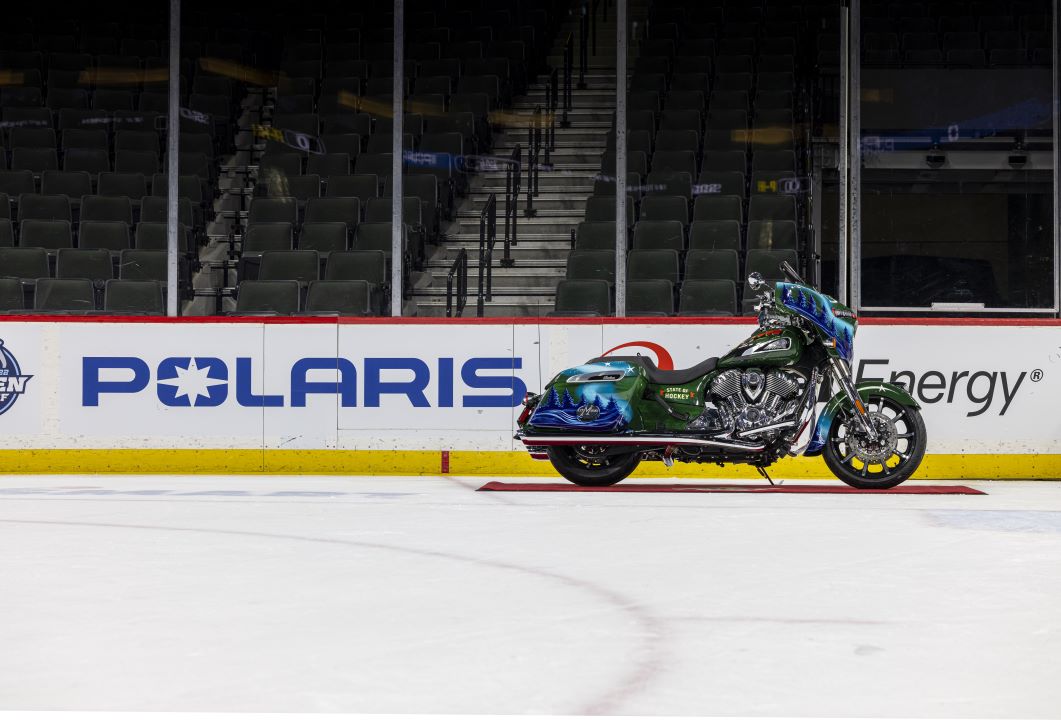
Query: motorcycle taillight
column 530, row 401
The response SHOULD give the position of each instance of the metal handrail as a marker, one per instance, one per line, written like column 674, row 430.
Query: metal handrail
column 552, row 105
column 487, row 238
column 534, row 147
column 569, row 62
column 458, row 271
column 513, row 168
column 593, row 25
column 583, row 44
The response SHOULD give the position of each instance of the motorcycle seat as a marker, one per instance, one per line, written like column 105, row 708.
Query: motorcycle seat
column 664, row 377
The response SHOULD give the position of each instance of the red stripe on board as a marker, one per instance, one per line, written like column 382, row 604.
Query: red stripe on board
column 311, row 320
column 837, row 489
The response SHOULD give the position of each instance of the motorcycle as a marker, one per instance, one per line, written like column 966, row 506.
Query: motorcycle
column 758, row 403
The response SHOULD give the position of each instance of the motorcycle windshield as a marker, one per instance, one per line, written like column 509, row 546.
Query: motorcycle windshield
column 831, row 318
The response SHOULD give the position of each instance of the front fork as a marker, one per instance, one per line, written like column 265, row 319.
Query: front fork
column 843, row 377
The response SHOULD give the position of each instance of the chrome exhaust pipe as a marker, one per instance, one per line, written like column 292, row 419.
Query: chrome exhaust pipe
column 677, row 441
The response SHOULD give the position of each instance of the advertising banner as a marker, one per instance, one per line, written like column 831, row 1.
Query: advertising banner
column 445, row 386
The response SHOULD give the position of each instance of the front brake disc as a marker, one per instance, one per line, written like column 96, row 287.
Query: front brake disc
column 874, row 452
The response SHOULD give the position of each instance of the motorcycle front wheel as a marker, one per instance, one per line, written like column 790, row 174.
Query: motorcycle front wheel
column 592, row 466
column 882, row 463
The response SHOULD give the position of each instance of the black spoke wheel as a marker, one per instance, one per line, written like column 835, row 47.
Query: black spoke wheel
column 882, row 463
column 592, row 465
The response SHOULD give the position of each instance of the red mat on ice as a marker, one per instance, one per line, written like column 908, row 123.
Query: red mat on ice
column 837, row 489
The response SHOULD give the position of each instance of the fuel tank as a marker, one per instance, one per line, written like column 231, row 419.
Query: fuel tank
column 766, row 348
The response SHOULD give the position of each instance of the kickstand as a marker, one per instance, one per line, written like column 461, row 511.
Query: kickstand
column 762, row 471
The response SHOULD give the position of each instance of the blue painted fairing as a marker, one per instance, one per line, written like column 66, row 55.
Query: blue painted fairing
column 818, row 309
column 821, row 434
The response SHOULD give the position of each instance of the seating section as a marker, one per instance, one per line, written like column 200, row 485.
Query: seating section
column 715, row 100
column 83, row 137
column 465, row 59
column 975, row 35
column 82, row 162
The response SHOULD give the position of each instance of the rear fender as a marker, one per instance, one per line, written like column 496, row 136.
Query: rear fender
column 865, row 389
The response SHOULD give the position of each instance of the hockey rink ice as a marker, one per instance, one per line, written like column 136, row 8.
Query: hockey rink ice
column 413, row 595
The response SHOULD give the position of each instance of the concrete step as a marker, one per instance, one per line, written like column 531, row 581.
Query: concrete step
column 595, row 90
column 440, row 263
column 570, row 201
column 564, row 141
column 581, row 188
column 468, row 226
column 546, row 181
column 508, row 281
column 512, row 293
column 579, row 102
column 531, row 252
column 497, row 308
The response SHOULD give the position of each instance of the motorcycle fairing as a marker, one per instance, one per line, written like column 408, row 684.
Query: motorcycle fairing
column 576, row 402
column 819, row 310
column 864, row 390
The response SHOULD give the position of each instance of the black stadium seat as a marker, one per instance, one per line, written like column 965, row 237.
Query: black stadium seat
column 64, row 295
column 342, row 297
column 133, row 297
column 582, row 297
column 591, row 265
column 272, row 297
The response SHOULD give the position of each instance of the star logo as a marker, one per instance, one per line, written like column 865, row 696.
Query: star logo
column 187, row 382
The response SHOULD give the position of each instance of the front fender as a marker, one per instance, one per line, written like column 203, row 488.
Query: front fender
column 865, row 389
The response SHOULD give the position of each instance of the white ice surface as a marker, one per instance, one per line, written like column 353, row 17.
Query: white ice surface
column 420, row 595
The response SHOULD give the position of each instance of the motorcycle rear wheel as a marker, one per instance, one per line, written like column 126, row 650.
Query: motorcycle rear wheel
column 904, row 452
column 582, row 469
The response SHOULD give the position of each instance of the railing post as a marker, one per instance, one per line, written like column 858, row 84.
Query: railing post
column 554, row 105
column 569, row 61
column 511, row 189
column 480, row 299
column 512, row 206
column 491, row 232
column 460, row 269
column 593, row 26
column 535, row 138
column 583, row 38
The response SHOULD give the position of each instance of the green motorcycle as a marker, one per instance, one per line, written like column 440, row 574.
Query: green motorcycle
column 597, row 422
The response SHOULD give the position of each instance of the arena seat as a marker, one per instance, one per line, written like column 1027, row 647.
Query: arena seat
column 712, row 265
column 324, row 237
column 715, row 235
column 591, row 265
column 81, row 263
column 48, row 234
column 267, row 297
column 342, row 297
column 109, row 235
column 654, row 265
column 708, row 298
column 64, row 295
column 133, row 297
column 44, row 207
column 649, row 298
column 11, row 295
column 582, row 297
column 25, row 263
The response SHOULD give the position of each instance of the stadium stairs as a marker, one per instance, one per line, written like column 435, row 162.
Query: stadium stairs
column 544, row 240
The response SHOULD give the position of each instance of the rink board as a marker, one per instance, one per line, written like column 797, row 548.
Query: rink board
column 430, row 396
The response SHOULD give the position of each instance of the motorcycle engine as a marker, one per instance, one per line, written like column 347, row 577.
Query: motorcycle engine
column 747, row 399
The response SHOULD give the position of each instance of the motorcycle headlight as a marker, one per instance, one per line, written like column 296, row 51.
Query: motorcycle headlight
column 779, row 344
